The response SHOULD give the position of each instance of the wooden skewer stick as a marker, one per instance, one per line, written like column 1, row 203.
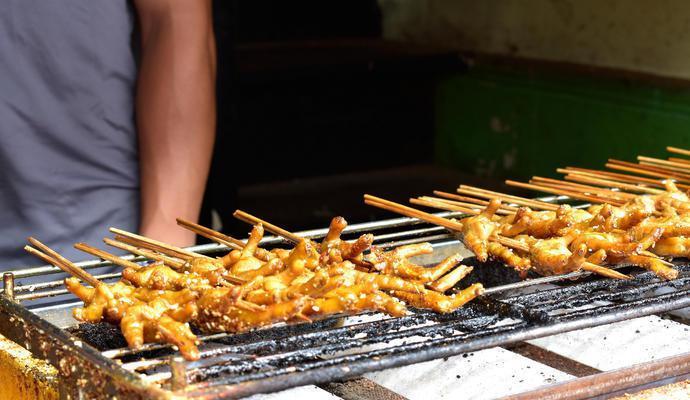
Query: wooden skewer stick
column 647, row 170
column 515, row 244
column 460, row 198
column 455, row 226
column 504, row 207
column 584, row 189
column 652, row 255
column 597, row 191
column 605, row 182
column 569, row 193
column 104, row 255
column 411, row 212
column 656, row 168
column 487, row 194
column 443, row 206
column 578, row 186
column 151, row 255
column 152, row 248
column 671, row 168
column 214, row 235
column 466, row 199
column 434, row 219
column 608, row 272
column 49, row 255
column 682, row 167
column 159, row 246
column 451, row 205
column 678, row 150
column 612, row 176
column 679, row 160
column 250, row 219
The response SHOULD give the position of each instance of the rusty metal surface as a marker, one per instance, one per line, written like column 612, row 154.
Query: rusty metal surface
column 680, row 390
column 83, row 371
column 607, row 384
column 553, row 360
column 23, row 377
column 360, row 389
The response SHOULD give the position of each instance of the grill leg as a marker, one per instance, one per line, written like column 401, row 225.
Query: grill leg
column 178, row 371
column 8, row 285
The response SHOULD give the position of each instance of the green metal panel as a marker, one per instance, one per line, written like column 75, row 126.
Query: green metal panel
column 506, row 123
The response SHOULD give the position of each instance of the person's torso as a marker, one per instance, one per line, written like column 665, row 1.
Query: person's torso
column 68, row 154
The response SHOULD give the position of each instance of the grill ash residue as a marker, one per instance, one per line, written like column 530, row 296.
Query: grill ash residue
column 312, row 347
column 489, row 274
column 278, row 333
column 102, row 336
column 584, row 293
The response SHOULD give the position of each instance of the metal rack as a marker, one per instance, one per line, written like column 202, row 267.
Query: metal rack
column 93, row 359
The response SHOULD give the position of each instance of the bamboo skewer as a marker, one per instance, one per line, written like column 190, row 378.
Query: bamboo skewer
column 151, row 248
column 673, row 170
column 52, row 257
column 608, row 272
column 434, row 219
column 612, row 176
column 468, row 199
column 153, row 244
column 677, row 150
column 682, row 167
column 635, row 170
column 211, row 234
column 624, row 196
column 457, row 197
column 609, row 183
column 569, row 193
column 577, row 193
column 104, row 255
column 654, row 168
column 411, row 212
column 250, row 219
column 450, row 205
column 487, row 194
column 169, row 261
column 443, row 206
column 603, row 194
column 151, row 255
column 679, row 160
column 455, row 226
column 504, row 207
column 647, row 170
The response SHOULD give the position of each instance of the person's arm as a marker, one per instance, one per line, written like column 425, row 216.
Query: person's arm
column 176, row 113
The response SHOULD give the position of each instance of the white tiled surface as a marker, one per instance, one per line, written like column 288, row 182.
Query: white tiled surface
column 301, row 393
column 621, row 344
column 486, row 374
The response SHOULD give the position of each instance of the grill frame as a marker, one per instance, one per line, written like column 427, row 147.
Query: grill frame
column 81, row 364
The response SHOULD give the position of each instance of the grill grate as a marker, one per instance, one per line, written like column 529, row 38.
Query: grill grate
column 285, row 356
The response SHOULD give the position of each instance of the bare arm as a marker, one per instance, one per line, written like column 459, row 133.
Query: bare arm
column 176, row 113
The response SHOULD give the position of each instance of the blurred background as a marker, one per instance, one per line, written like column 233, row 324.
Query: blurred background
column 320, row 102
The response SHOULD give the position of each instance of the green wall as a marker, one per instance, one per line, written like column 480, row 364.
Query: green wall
column 502, row 122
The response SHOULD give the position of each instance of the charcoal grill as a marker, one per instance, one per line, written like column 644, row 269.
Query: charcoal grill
column 94, row 361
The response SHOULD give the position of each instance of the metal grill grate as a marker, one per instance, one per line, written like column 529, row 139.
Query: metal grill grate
column 284, row 356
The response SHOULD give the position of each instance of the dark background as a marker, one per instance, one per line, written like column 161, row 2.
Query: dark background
column 314, row 109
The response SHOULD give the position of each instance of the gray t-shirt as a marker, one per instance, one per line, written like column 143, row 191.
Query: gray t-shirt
column 68, row 152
